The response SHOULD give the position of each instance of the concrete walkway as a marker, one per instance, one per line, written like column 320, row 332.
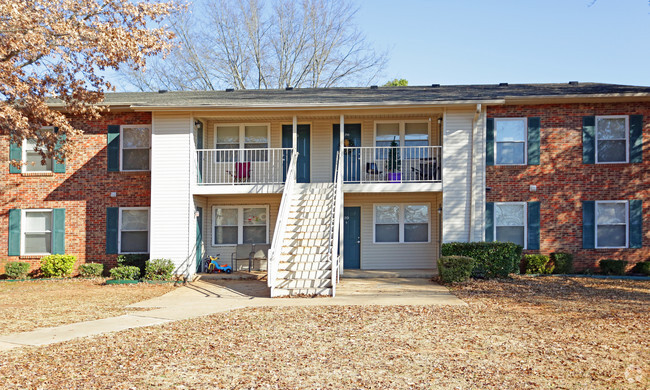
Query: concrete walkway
column 202, row 298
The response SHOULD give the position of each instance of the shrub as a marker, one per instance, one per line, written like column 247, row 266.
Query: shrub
column 91, row 270
column 491, row 259
column 159, row 269
column 125, row 272
column 134, row 260
column 563, row 263
column 537, row 264
column 642, row 267
column 56, row 266
column 16, row 269
column 454, row 269
column 612, row 267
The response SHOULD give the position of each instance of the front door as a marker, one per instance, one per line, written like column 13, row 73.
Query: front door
column 199, row 239
column 352, row 158
column 351, row 237
column 303, row 148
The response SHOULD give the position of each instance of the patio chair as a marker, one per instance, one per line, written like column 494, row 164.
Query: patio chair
column 242, row 172
column 371, row 169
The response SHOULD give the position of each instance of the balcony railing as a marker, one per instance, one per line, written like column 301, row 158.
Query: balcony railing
column 392, row 164
column 242, row 166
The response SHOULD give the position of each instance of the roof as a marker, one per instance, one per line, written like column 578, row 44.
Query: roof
column 368, row 96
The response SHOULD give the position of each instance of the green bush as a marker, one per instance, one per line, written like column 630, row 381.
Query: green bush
column 159, row 269
column 642, row 267
column 537, row 264
column 134, row 260
column 491, row 259
column 91, row 270
column 612, row 267
column 16, row 269
column 56, row 266
column 453, row 269
column 563, row 263
column 125, row 272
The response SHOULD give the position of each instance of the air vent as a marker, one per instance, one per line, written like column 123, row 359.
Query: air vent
column 230, row 89
column 162, row 91
column 573, row 83
column 373, row 87
column 503, row 84
column 435, row 85
column 289, row 88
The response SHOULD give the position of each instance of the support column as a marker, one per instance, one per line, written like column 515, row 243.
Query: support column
column 295, row 132
column 341, row 166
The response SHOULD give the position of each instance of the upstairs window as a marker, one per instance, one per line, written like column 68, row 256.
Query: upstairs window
column 32, row 158
column 510, row 139
column 135, row 144
column 612, row 133
column 230, row 137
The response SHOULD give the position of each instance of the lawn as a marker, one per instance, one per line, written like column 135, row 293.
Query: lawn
column 548, row 332
column 25, row 306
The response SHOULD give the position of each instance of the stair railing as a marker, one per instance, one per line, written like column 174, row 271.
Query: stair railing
column 281, row 223
column 336, row 222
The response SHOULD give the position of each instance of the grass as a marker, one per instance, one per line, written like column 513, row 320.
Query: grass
column 28, row 305
column 551, row 332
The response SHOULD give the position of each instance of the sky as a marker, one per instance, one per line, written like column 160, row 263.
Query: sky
column 515, row 41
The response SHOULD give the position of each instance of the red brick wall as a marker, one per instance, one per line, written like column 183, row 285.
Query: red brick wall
column 563, row 181
column 84, row 191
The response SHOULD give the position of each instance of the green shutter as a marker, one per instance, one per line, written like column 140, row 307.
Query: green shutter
column 112, row 219
column 533, row 140
column 636, row 138
column 489, row 221
column 588, row 224
column 489, row 142
column 56, row 166
column 113, row 148
column 58, row 231
column 15, row 153
column 588, row 139
column 14, row 232
column 533, row 225
column 636, row 223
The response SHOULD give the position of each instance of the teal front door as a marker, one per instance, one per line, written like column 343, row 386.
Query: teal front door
column 304, row 148
column 352, row 157
column 199, row 239
column 351, row 237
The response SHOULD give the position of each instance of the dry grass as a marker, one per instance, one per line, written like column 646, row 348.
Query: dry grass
column 524, row 333
column 25, row 306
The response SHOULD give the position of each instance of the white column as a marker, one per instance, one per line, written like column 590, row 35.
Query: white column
column 341, row 166
column 295, row 132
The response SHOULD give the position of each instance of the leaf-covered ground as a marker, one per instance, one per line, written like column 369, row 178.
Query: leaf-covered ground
column 25, row 306
column 521, row 333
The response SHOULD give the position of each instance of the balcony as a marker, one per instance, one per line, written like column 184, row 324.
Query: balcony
column 392, row 164
column 242, row 167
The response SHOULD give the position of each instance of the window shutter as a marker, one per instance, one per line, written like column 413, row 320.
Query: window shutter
column 56, row 166
column 636, row 223
column 489, row 221
column 113, row 148
column 14, row 232
column 589, row 224
column 15, row 153
column 533, row 140
column 533, row 225
column 112, row 219
column 58, row 231
column 588, row 139
column 636, row 138
column 489, row 142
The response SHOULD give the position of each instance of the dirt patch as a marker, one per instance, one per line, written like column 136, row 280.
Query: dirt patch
column 29, row 305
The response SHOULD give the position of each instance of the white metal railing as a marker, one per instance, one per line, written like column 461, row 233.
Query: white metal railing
column 242, row 166
column 394, row 164
column 281, row 223
column 336, row 222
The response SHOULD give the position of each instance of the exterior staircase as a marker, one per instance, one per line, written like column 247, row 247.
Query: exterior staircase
column 305, row 261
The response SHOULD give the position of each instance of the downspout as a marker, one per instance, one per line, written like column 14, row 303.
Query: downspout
column 470, row 234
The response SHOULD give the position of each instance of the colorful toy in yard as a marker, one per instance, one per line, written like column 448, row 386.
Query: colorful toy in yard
column 211, row 264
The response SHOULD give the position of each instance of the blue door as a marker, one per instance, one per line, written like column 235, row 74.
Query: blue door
column 352, row 158
column 303, row 147
column 199, row 239
column 351, row 237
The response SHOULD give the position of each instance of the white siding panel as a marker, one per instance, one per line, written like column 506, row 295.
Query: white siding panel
column 321, row 151
column 478, row 214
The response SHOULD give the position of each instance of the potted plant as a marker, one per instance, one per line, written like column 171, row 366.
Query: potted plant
column 394, row 163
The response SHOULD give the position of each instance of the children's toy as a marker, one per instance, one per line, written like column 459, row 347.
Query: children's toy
column 210, row 264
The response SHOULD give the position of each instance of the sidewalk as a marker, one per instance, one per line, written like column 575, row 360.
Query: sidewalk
column 208, row 297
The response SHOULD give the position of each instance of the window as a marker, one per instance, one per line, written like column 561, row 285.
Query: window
column 234, row 225
column 32, row 158
column 134, row 230
column 510, row 138
column 410, row 134
column 611, row 224
column 401, row 223
column 510, row 222
column 242, row 136
column 135, row 141
column 37, row 232
column 612, row 134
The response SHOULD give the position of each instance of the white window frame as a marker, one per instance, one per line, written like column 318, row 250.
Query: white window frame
column 24, row 155
column 122, row 148
column 525, row 220
column 627, row 223
column 22, row 231
column 242, row 133
column 240, row 222
column 627, row 138
column 401, row 223
column 525, row 141
column 402, row 130
column 119, row 230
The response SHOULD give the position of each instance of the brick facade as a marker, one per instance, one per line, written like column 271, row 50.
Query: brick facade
column 83, row 191
column 564, row 182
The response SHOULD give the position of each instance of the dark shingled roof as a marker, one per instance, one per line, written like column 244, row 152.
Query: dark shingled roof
column 369, row 96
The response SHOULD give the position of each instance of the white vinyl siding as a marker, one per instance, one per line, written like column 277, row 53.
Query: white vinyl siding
column 612, row 139
column 36, row 232
column 133, row 226
column 135, row 147
column 612, row 224
column 510, row 141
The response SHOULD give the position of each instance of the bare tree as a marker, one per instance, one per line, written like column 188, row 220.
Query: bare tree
column 247, row 44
